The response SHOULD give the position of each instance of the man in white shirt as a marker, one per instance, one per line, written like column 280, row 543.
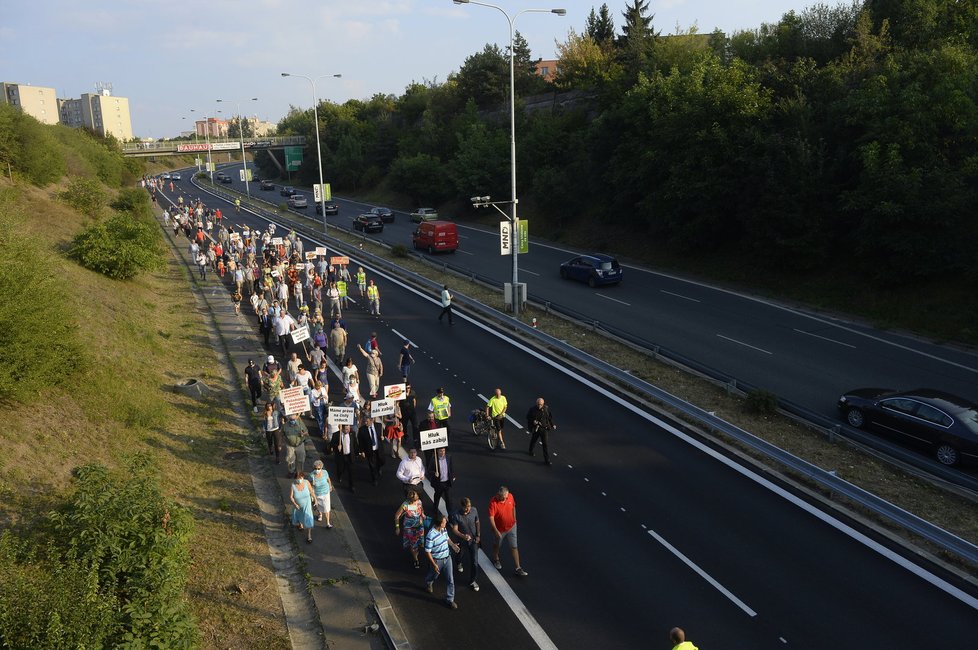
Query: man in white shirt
column 344, row 449
column 285, row 325
column 411, row 470
column 446, row 305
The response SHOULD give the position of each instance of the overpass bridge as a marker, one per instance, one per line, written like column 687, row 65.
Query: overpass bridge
column 181, row 147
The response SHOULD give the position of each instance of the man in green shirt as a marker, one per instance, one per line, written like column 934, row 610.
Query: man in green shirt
column 496, row 410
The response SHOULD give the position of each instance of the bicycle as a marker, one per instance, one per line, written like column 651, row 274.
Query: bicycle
column 482, row 426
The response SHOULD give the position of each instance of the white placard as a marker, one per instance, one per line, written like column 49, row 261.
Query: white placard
column 341, row 415
column 381, row 407
column 300, row 334
column 277, row 240
column 321, row 250
column 505, row 238
column 311, row 255
column 433, row 438
column 294, row 400
column 395, row 392
column 317, row 192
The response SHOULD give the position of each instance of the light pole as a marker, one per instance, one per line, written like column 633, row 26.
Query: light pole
column 514, row 235
column 315, row 117
column 207, row 139
column 244, row 161
column 196, row 153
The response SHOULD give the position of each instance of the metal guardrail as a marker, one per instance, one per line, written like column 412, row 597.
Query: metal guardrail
column 828, row 480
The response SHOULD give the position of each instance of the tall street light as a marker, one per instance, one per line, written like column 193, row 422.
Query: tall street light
column 207, row 139
column 196, row 153
column 315, row 116
column 244, row 161
column 514, row 235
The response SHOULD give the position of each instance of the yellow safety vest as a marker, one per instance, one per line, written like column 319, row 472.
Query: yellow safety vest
column 497, row 405
column 373, row 293
column 440, row 407
column 341, row 287
column 361, row 278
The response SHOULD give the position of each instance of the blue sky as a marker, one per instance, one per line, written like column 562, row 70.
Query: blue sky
column 171, row 56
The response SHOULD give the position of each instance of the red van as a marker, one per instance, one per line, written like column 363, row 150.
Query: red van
column 436, row 236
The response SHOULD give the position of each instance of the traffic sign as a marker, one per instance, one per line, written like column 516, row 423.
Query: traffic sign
column 505, row 238
column 293, row 158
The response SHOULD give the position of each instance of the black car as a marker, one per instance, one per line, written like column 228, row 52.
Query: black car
column 331, row 208
column 368, row 223
column 942, row 423
column 595, row 269
column 287, row 190
column 386, row 214
column 267, row 185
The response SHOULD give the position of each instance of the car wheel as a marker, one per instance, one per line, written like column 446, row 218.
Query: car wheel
column 563, row 274
column 431, row 250
column 591, row 283
column 855, row 418
column 947, row 455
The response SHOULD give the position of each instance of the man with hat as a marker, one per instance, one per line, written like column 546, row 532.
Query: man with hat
column 441, row 407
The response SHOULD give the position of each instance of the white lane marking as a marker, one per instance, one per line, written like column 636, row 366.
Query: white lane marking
column 601, row 295
column 516, row 604
column 824, row 338
column 459, row 250
column 746, row 345
column 404, row 338
column 515, row 423
column 703, row 574
column 679, row 295
column 529, row 271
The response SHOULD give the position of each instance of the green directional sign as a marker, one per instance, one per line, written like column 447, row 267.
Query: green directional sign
column 293, row 158
column 523, row 236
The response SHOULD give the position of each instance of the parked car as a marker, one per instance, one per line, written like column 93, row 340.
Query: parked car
column 298, row 201
column 386, row 214
column 287, row 190
column 595, row 269
column 424, row 214
column 176, row 176
column 368, row 223
column 944, row 424
column 267, row 185
column 331, row 208
column 436, row 237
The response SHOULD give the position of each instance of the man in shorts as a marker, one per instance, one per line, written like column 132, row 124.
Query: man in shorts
column 502, row 518
column 496, row 410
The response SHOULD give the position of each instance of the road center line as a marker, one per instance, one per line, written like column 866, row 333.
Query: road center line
column 703, row 574
column 530, row 272
column 746, row 345
column 679, row 295
column 601, row 295
column 459, row 250
column 825, row 338
column 404, row 338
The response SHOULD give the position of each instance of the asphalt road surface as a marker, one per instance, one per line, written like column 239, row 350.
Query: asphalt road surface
column 635, row 528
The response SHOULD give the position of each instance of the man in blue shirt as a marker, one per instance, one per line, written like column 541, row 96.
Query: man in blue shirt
column 436, row 547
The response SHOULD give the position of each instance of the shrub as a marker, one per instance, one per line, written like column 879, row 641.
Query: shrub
column 134, row 200
column 120, row 247
column 399, row 250
column 85, row 195
column 761, row 401
column 30, row 147
column 107, row 570
column 38, row 336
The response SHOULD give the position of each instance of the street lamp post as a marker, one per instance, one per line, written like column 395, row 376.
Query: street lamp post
column 514, row 235
column 315, row 117
column 244, row 161
column 196, row 153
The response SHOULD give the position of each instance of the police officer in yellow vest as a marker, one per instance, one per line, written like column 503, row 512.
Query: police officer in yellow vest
column 441, row 408
column 373, row 298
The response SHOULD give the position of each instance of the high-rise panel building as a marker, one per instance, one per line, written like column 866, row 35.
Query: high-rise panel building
column 106, row 114
column 37, row 101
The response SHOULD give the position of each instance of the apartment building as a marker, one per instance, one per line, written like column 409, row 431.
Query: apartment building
column 38, row 102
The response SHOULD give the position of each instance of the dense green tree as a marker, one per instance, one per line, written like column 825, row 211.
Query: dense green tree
column 421, row 177
column 637, row 41
column 484, row 77
column 238, row 124
column 584, row 64
column 600, row 27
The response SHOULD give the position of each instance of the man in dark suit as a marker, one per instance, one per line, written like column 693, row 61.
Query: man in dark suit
column 344, row 446
column 368, row 441
column 265, row 325
column 441, row 474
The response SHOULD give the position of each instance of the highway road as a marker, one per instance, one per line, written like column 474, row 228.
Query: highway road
column 806, row 358
column 636, row 528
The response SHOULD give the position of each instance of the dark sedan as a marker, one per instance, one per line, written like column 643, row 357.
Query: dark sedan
column 944, row 424
column 267, row 185
column 368, row 223
column 386, row 214
column 594, row 269
column 331, row 208
column 287, row 190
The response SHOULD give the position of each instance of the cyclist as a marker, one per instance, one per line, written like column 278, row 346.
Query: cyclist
column 496, row 410
column 237, row 205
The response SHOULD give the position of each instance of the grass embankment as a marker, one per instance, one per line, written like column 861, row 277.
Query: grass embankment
column 951, row 512
column 138, row 338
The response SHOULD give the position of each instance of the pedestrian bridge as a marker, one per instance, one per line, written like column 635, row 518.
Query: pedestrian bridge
column 182, row 147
